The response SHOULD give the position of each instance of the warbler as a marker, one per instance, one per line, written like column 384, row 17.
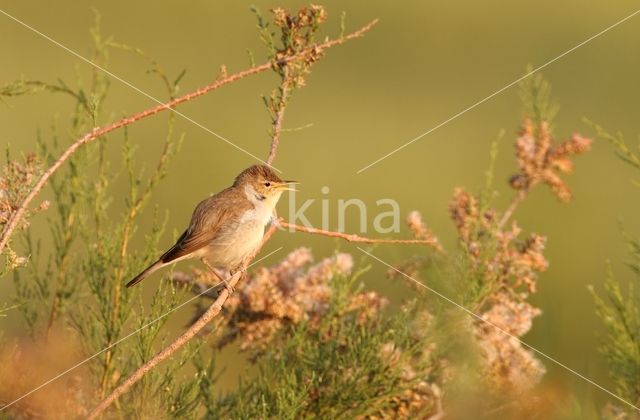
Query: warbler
column 227, row 227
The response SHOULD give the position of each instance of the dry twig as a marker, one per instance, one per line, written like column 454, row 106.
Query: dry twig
column 191, row 332
column 515, row 202
column 213, row 310
column 279, row 116
column 354, row 238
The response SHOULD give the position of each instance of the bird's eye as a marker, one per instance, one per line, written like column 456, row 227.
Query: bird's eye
column 267, row 184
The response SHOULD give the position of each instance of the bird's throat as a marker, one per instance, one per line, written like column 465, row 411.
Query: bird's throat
column 263, row 206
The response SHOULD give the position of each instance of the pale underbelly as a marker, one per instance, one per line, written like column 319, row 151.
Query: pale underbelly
column 230, row 249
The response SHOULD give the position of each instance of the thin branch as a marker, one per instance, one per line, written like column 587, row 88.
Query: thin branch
column 299, row 128
column 135, row 207
column 60, row 275
column 98, row 132
column 191, row 332
column 515, row 202
column 280, row 106
column 354, row 238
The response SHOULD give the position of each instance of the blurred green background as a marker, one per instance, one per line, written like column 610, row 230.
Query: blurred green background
column 424, row 62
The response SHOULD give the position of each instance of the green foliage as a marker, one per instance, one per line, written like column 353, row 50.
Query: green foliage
column 535, row 95
column 110, row 309
column 162, row 392
column 341, row 368
column 31, row 87
column 4, row 308
column 620, row 312
column 267, row 36
column 89, row 259
column 622, row 149
column 60, row 281
column 621, row 317
column 17, row 178
column 470, row 285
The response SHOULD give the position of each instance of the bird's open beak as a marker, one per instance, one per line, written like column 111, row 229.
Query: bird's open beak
column 287, row 185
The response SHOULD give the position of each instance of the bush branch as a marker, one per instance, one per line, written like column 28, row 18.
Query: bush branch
column 276, row 128
column 515, row 202
column 355, row 238
column 191, row 332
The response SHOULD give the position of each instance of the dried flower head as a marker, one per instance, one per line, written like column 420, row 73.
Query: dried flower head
column 498, row 254
column 366, row 306
column 14, row 260
column 421, row 231
column 16, row 180
column 465, row 211
column 288, row 293
column 421, row 398
column 411, row 266
column 538, row 159
column 508, row 365
column 297, row 36
column 517, row 263
column 420, row 372
column 421, row 394
column 508, row 267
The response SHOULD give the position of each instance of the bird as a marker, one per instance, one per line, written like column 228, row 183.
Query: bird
column 227, row 227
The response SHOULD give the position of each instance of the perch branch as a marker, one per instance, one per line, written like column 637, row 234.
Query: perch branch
column 352, row 237
column 213, row 310
column 191, row 332
column 98, row 132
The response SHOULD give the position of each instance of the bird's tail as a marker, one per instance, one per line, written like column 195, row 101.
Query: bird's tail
column 153, row 267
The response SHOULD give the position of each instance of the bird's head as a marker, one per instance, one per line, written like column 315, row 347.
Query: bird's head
column 262, row 185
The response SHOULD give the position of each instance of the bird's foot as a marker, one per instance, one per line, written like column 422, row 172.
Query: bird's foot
column 229, row 287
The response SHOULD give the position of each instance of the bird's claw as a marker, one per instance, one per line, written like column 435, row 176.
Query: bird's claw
column 229, row 287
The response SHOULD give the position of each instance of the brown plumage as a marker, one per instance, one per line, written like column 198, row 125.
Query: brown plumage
column 228, row 226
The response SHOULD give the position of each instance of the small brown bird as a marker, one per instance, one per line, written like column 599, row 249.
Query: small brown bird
column 227, row 227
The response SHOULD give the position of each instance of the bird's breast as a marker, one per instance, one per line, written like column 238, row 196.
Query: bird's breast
column 259, row 214
column 239, row 239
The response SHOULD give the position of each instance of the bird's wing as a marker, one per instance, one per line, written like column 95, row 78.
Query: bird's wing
column 205, row 225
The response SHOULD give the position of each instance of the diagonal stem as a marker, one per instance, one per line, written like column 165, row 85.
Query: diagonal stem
column 190, row 333
column 276, row 128
column 515, row 202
